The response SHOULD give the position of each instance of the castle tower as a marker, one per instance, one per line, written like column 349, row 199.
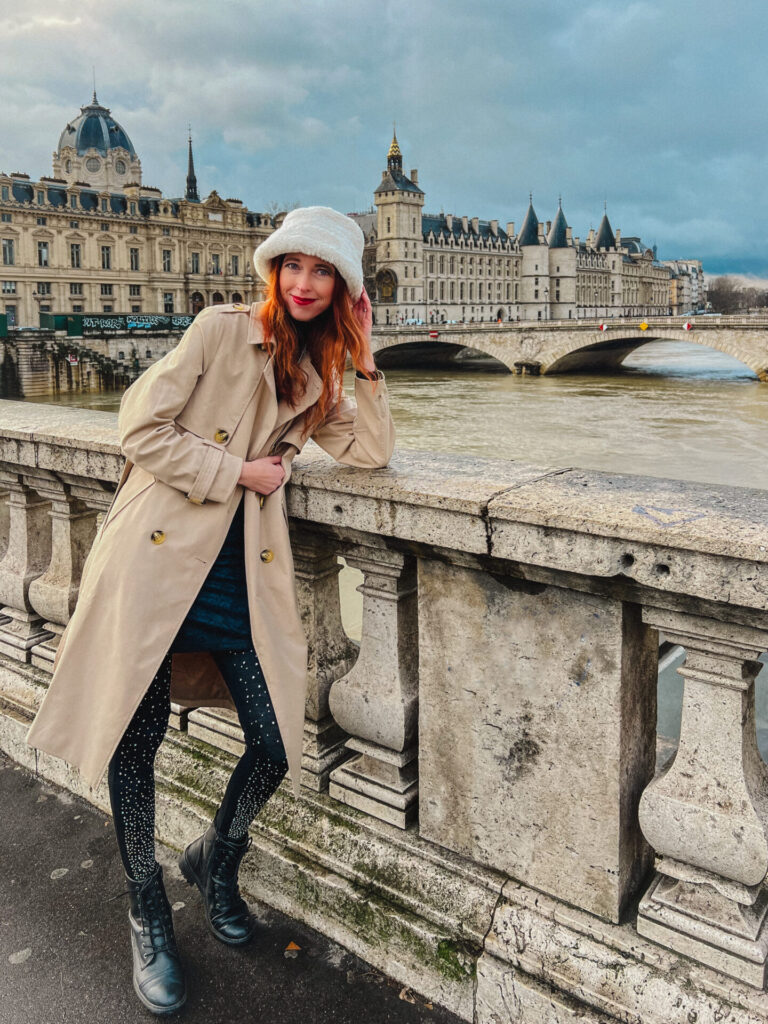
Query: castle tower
column 399, row 248
column 561, row 294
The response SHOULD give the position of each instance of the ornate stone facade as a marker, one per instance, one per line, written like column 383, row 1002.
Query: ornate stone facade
column 437, row 268
column 93, row 238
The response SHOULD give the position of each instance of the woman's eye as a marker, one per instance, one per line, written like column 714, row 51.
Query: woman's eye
column 323, row 270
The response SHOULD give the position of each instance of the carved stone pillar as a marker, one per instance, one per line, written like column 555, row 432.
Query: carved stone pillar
column 706, row 816
column 377, row 701
column 331, row 652
column 54, row 594
column 26, row 557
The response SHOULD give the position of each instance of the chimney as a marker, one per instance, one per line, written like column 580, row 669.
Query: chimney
column 465, row 225
column 415, row 176
column 449, row 221
column 591, row 238
column 542, row 233
column 494, row 227
column 511, row 228
column 476, row 225
column 617, row 236
column 569, row 235
column 576, row 241
column 549, row 225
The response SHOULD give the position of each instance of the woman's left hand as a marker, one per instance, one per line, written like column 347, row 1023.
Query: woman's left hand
column 364, row 314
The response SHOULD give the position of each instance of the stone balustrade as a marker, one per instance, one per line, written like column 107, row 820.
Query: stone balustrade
column 481, row 813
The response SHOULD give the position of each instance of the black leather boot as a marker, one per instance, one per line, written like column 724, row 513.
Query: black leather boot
column 158, row 978
column 211, row 863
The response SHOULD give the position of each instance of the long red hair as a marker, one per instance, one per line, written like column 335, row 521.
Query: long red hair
column 332, row 335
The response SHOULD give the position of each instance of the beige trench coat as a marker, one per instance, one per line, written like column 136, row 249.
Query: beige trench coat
column 185, row 426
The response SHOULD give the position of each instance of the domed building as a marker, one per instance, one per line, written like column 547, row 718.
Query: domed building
column 95, row 148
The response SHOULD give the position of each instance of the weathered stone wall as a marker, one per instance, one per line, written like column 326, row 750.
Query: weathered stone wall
column 480, row 813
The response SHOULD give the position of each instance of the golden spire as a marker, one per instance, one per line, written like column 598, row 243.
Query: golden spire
column 394, row 149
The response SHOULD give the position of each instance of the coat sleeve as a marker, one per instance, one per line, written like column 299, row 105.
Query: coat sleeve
column 360, row 433
column 150, row 438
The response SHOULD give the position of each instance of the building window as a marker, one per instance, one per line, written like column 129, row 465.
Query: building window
column 104, row 204
column 235, row 265
column 75, row 254
column 106, row 257
column 103, row 226
column 132, row 208
column 442, row 290
column 431, row 265
column 74, row 223
column 148, row 354
column 195, row 263
column 405, row 273
column 132, row 229
column 167, row 260
column 134, row 290
column 461, row 291
column 9, row 287
column 106, row 309
column 167, row 302
column 453, row 294
column 471, row 291
column 42, row 254
column 77, row 309
column 75, row 288
column 215, row 263
column 42, row 221
column 73, row 202
column 431, row 289
column 413, row 226
column 106, row 289
column 8, row 254
column 40, row 198
column 6, row 218
column 134, row 255
column 389, row 225
column 536, row 293
column 166, row 231
column 43, row 287
column 5, row 193
column 45, row 309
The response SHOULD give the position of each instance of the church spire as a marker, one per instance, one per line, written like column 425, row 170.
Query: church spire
column 191, row 194
column 394, row 156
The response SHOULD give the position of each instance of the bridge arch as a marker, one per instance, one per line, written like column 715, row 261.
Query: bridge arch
column 611, row 347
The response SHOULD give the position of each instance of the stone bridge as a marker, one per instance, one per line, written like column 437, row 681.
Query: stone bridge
column 551, row 346
column 486, row 812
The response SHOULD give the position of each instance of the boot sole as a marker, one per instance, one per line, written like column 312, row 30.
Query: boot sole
column 191, row 879
column 159, row 1011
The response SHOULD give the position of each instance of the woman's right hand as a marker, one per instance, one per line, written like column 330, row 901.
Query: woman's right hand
column 262, row 475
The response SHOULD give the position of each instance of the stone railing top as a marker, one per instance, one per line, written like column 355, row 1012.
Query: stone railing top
column 688, row 538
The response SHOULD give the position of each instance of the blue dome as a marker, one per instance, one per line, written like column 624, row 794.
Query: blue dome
column 95, row 129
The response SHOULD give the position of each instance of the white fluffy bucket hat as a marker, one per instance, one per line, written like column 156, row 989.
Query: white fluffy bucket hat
column 317, row 231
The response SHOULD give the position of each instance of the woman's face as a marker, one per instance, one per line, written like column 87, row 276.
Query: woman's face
column 306, row 285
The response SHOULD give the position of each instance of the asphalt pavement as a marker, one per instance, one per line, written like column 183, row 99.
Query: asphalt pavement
column 65, row 950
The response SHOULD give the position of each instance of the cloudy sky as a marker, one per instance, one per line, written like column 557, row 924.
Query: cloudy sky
column 659, row 108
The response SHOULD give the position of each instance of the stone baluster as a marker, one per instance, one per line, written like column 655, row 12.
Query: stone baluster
column 73, row 529
column 706, row 816
column 377, row 701
column 331, row 652
column 27, row 556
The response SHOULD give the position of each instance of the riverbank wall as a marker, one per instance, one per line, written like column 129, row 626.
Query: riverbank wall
column 483, row 815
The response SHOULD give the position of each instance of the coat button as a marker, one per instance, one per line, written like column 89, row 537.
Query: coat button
column 157, row 536
column 261, row 500
column 267, row 555
column 220, row 435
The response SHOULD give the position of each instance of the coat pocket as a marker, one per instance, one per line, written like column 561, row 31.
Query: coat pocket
column 137, row 482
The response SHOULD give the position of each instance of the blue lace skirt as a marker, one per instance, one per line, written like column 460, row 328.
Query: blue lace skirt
column 219, row 619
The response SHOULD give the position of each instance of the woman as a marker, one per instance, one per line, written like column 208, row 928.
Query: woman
column 191, row 572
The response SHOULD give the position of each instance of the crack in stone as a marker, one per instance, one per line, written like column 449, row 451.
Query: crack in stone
column 506, row 490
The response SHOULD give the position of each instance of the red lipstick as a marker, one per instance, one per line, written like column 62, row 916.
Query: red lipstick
column 302, row 302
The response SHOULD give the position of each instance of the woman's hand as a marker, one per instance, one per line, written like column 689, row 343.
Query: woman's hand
column 262, row 475
column 364, row 314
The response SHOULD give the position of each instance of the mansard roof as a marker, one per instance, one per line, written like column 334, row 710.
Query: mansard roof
column 529, row 232
column 437, row 224
column 88, row 201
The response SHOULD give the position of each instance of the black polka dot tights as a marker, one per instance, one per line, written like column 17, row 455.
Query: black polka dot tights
column 257, row 774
